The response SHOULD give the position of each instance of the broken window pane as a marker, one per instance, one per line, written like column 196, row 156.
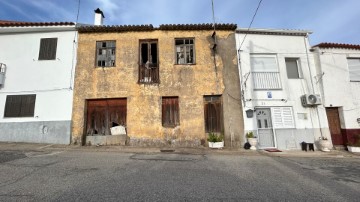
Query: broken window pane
column 105, row 53
column 184, row 51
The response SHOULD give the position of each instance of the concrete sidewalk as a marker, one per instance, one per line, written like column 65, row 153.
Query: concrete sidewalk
column 198, row 150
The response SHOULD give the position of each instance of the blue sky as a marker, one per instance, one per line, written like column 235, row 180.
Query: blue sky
column 330, row 20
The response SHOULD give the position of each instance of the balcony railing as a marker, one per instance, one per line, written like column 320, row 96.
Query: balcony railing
column 149, row 74
column 266, row 80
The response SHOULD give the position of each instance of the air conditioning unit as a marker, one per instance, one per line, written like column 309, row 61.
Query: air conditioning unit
column 309, row 100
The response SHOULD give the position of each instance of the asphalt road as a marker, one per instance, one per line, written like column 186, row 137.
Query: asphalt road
column 116, row 176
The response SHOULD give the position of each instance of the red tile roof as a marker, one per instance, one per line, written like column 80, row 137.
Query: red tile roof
column 7, row 23
column 338, row 45
column 128, row 28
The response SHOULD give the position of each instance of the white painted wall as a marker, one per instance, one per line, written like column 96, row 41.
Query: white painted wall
column 282, row 46
column 50, row 80
column 338, row 91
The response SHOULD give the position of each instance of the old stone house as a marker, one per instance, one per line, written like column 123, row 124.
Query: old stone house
column 169, row 85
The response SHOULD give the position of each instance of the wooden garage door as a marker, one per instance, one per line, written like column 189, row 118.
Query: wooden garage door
column 334, row 125
column 102, row 114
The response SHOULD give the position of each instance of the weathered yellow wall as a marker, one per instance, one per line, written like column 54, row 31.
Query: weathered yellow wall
column 189, row 82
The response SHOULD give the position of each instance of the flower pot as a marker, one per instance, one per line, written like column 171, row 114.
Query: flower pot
column 353, row 149
column 324, row 145
column 253, row 143
column 216, row 145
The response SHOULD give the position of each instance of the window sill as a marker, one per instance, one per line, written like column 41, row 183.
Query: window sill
column 191, row 64
column 170, row 126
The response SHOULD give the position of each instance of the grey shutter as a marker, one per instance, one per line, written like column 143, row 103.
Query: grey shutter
column 354, row 69
column 292, row 68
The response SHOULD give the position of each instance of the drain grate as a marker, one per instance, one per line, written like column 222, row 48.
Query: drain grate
column 167, row 150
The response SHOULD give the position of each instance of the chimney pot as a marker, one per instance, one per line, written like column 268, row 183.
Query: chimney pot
column 99, row 17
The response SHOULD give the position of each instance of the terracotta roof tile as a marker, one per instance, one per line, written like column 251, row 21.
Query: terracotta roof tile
column 197, row 26
column 338, row 45
column 128, row 28
column 7, row 23
column 115, row 28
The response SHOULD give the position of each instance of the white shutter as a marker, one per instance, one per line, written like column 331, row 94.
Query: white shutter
column 282, row 117
column 354, row 69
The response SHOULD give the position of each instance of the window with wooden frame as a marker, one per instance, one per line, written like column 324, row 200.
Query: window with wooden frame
column 105, row 53
column 170, row 111
column 48, row 49
column 213, row 113
column 149, row 65
column 20, row 105
column 185, row 53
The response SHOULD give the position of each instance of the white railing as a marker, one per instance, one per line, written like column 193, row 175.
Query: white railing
column 266, row 80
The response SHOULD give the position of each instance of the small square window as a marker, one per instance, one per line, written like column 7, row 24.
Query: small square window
column 292, row 68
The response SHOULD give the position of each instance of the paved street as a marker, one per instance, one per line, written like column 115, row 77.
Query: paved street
column 98, row 175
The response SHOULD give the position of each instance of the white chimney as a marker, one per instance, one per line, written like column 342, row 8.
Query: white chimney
column 99, row 17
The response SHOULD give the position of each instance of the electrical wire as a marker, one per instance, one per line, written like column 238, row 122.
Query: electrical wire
column 74, row 47
column 252, row 20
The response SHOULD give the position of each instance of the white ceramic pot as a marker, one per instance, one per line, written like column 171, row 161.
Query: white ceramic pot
column 353, row 149
column 253, row 143
column 216, row 145
column 324, row 145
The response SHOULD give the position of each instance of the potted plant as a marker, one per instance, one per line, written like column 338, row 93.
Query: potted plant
column 324, row 144
column 215, row 140
column 252, row 140
column 354, row 147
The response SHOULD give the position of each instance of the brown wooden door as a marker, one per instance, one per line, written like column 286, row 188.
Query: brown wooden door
column 334, row 125
column 102, row 113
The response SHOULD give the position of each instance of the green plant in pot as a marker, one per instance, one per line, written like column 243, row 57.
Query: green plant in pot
column 251, row 138
column 215, row 140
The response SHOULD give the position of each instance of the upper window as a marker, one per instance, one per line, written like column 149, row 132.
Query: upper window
column 354, row 68
column 265, row 72
column 20, row 105
column 148, row 68
column 292, row 68
column 184, row 51
column 105, row 53
column 48, row 49
column 170, row 111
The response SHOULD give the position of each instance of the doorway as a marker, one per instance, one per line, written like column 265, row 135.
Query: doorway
column 102, row 114
column 265, row 128
column 332, row 114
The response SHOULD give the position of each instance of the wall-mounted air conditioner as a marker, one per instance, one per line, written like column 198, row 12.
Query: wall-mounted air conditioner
column 309, row 100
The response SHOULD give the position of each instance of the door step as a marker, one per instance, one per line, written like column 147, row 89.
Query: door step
column 340, row 147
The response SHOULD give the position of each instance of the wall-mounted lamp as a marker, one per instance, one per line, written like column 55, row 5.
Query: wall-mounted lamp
column 249, row 113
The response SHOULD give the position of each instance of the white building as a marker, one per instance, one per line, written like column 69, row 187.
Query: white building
column 276, row 69
column 38, row 61
column 338, row 70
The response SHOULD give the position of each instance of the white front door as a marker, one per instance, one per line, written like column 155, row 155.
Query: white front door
column 265, row 128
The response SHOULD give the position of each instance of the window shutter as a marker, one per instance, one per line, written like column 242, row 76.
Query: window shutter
column 354, row 69
column 282, row 117
column 48, row 49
